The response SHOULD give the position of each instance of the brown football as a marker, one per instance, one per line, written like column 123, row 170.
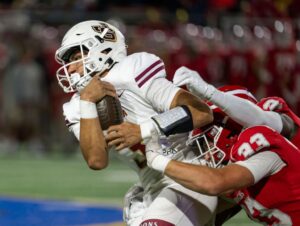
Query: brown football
column 109, row 112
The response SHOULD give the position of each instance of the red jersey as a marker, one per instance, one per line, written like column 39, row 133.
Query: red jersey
column 279, row 105
column 274, row 200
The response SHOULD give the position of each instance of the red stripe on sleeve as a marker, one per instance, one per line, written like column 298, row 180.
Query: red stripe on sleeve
column 147, row 70
column 150, row 76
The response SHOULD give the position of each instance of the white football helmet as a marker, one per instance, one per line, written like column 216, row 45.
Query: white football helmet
column 101, row 46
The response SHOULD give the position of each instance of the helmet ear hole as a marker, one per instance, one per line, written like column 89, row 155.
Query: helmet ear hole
column 106, row 51
column 109, row 61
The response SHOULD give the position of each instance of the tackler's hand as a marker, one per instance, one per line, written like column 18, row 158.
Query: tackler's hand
column 192, row 80
column 124, row 135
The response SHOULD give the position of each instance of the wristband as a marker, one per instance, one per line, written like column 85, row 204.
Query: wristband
column 160, row 163
column 88, row 110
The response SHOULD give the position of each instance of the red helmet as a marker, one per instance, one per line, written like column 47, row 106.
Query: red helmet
column 214, row 141
column 239, row 91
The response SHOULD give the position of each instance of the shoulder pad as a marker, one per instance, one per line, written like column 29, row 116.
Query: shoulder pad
column 135, row 70
column 252, row 140
column 147, row 67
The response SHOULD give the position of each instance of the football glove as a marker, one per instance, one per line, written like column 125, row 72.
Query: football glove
column 194, row 82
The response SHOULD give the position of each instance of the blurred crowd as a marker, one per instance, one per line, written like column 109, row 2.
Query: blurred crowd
column 251, row 43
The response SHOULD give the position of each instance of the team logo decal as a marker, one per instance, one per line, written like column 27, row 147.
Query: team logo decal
column 110, row 35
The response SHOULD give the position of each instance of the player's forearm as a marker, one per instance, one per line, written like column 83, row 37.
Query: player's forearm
column 201, row 113
column 198, row 178
column 245, row 112
column 93, row 144
column 210, row 181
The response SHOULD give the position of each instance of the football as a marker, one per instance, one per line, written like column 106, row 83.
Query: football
column 109, row 112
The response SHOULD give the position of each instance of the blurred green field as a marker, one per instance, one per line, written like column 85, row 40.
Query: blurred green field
column 70, row 179
column 58, row 178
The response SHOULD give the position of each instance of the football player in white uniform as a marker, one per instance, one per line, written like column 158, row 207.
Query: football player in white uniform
column 95, row 64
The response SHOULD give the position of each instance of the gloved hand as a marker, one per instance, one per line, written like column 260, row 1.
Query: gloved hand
column 155, row 159
column 194, row 82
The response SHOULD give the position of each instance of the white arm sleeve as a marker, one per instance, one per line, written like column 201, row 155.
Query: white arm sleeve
column 263, row 164
column 245, row 112
column 161, row 93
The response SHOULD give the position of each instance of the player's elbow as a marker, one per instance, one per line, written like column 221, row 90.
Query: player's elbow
column 96, row 156
column 97, row 163
column 97, row 159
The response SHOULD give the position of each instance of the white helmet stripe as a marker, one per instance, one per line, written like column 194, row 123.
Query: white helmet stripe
column 212, row 107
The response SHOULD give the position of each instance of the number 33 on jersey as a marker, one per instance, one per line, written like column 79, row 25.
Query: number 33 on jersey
column 274, row 199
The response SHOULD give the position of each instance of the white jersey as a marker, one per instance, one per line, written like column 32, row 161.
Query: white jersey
column 143, row 90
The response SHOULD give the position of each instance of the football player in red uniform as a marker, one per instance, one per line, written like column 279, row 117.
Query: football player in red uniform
column 263, row 175
column 272, row 111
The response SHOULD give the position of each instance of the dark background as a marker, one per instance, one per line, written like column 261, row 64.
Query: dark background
column 251, row 43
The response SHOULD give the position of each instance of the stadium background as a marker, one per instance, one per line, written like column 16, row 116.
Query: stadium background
column 252, row 43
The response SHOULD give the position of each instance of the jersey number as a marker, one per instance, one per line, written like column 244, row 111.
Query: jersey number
column 270, row 105
column 256, row 143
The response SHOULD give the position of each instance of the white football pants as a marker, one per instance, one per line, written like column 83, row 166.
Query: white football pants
column 178, row 206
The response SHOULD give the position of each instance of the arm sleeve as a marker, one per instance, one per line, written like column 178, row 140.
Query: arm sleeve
column 160, row 93
column 263, row 164
column 245, row 112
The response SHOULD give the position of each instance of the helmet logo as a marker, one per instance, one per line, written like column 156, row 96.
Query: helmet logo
column 105, row 32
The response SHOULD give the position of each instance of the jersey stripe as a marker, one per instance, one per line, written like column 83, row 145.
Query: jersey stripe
column 140, row 76
column 142, row 82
